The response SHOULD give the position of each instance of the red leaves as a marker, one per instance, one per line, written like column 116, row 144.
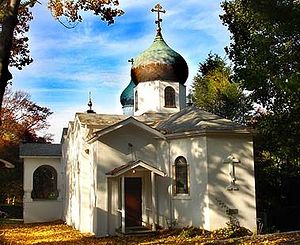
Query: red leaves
column 21, row 118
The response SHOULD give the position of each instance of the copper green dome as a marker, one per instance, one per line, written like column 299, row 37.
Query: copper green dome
column 126, row 97
column 159, row 62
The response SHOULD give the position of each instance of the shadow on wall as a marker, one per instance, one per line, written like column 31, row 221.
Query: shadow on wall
column 126, row 144
column 239, row 203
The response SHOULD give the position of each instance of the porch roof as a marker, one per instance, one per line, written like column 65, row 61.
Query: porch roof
column 132, row 165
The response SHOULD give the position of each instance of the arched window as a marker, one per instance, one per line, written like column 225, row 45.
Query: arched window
column 170, row 97
column 44, row 183
column 181, row 176
column 136, row 101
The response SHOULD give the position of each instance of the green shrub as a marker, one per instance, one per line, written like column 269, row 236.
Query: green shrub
column 232, row 231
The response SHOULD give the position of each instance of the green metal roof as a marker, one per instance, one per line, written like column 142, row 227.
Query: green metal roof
column 158, row 52
column 159, row 62
column 127, row 96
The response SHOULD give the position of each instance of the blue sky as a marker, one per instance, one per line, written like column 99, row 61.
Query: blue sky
column 68, row 64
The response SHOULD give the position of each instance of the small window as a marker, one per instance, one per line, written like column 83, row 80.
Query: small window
column 44, row 183
column 170, row 97
column 181, row 176
column 136, row 101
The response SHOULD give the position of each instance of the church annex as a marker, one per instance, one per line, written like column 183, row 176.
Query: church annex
column 162, row 163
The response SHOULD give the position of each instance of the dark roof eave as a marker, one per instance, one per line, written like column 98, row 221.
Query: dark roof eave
column 204, row 132
column 40, row 156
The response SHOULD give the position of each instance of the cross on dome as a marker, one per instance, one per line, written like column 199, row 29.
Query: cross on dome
column 131, row 61
column 159, row 9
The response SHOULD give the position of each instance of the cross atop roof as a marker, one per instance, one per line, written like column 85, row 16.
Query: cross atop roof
column 90, row 104
column 158, row 8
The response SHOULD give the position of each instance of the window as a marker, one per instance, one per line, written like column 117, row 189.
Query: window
column 169, row 97
column 136, row 98
column 181, row 176
column 44, row 183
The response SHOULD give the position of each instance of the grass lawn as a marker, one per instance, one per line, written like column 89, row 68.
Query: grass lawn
column 59, row 233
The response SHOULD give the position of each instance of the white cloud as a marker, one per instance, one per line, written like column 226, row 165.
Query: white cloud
column 93, row 57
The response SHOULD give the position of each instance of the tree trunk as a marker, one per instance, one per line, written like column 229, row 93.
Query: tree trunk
column 6, row 36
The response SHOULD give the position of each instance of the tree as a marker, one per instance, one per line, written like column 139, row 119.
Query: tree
column 265, row 51
column 14, row 24
column 213, row 90
column 22, row 121
column 22, row 118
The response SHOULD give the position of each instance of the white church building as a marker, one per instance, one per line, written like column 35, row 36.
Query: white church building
column 162, row 163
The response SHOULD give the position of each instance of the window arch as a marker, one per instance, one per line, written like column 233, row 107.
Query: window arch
column 170, row 97
column 181, row 176
column 44, row 183
column 136, row 100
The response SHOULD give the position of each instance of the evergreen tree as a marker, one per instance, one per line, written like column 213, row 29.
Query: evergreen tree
column 214, row 91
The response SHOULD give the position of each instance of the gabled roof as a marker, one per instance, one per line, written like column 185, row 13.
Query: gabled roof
column 194, row 119
column 132, row 165
column 123, row 123
column 101, row 121
column 38, row 149
column 190, row 120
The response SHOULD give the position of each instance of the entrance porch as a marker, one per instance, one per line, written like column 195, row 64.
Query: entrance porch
column 137, row 196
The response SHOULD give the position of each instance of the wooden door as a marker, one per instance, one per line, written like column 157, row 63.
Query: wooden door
column 133, row 202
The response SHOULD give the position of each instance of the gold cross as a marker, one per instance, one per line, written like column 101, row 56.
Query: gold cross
column 158, row 8
column 131, row 61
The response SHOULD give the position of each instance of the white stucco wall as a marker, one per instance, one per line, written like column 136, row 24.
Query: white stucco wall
column 151, row 97
column 191, row 209
column 209, row 177
column 41, row 210
column 243, row 200
column 110, row 152
column 79, row 203
column 93, row 201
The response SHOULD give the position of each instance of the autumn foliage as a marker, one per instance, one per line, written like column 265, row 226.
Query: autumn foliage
column 22, row 118
column 22, row 121
column 59, row 233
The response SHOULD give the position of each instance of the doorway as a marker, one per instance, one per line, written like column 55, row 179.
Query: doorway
column 133, row 202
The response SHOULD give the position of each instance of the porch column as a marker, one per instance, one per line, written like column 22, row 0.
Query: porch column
column 153, row 201
column 123, row 203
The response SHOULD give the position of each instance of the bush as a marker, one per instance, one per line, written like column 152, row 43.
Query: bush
column 232, row 231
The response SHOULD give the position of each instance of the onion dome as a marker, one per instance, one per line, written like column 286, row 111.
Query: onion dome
column 127, row 96
column 159, row 62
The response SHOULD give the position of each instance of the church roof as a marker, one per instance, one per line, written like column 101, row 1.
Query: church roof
column 188, row 120
column 39, row 149
column 129, row 121
column 101, row 121
column 127, row 97
column 159, row 62
column 194, row 119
